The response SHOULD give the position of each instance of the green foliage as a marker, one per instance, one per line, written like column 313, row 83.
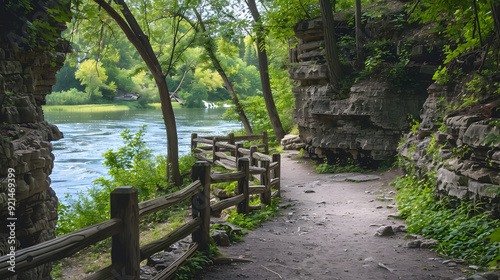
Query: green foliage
column 56, row 272
column 234, row 235
column 456, row 20
column 256, row 110
column 229, row 187
column 462, row 152
column 442, row 127
column 132, row 165
column 70, row 97
column 399, row 75
column 255, row 218
column 414, row 124
column 441, row 76
column 491, row 139
column 192, row 265
column 377, row 54
column 301, row 153
column 382, row 62
column 326, row 168
column 460, row 232
column 31, row 23
column 193, row 95
column 283, row 15
column 468, row 101
column 65, row 78
column 93, row 75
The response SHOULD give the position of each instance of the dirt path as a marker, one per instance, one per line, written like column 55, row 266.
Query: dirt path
column 328, row 233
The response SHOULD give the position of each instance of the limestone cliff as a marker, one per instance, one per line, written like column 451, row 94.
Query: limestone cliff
column 367, row 122
column 457, row 138
column 27, row 73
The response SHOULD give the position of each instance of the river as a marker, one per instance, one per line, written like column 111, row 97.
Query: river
column 78, row 156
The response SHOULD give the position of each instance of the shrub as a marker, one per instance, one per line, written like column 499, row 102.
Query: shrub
column 460, row 231
column 69, row 97
column 131, row 165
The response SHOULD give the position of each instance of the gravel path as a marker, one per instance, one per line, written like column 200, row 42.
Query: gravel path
column 327, row 232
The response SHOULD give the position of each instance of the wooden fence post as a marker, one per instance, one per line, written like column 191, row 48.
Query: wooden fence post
column 125, row 253
column 265, row 142
column 215, row 149
column 277, row 172
column 193, row 144
column 201, row 204
column 243, row 165
column 231, row 141
column 238, row 146
column 253, row 149
column 264, row 180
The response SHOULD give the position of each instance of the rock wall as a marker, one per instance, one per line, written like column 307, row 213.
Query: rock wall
column 367, row 124
column 450, row 146
column 450, row 142
column 27, row 74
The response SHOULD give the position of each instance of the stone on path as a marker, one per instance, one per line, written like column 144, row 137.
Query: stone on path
column 355, row 177
column 384, row 231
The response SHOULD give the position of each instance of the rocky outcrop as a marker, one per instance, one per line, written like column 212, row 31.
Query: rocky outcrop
column 452, row 146
column 27, row 74
column 452, row 143
column 366, row 124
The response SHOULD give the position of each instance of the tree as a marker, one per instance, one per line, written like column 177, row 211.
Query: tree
column 332, row 57
column 495, row 9
column 463, row 22
column 264, row 72
column 360, row 56
column 92, row 74
column 129, row 25
column 209, row 46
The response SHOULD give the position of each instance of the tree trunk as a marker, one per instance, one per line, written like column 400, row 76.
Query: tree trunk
column 137, row 37
column 495, row 9
column 264, row 73
column 332, row 58
column 173, row 171
column 360, row 56
column 222, row 73
column 476, row 19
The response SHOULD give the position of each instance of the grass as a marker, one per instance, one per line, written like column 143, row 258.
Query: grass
column 122, row 106
column 158, row 105
column 98, row 256
column 86, row 108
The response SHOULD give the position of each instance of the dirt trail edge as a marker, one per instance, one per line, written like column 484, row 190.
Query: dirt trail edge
column 328, row 232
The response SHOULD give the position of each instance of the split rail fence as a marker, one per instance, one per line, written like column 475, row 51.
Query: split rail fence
column 126, row 211
column 226, row 151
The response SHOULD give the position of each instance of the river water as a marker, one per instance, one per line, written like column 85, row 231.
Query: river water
column 78, row 156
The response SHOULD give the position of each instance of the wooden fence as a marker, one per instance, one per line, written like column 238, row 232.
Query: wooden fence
column 225, row 152
column 123, row 226
column 213, row 144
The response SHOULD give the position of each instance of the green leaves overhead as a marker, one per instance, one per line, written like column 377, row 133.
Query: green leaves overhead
column 467, row 24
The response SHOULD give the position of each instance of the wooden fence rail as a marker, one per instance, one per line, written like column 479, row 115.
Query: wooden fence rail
column 225, row 152
column 123, row 226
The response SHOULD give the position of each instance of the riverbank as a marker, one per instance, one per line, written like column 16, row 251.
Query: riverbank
column 122, row 106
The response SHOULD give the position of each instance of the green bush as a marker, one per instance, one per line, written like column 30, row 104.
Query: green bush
column 69, row 97
column 460, row 231
column 131, row 165
column 255, row 218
